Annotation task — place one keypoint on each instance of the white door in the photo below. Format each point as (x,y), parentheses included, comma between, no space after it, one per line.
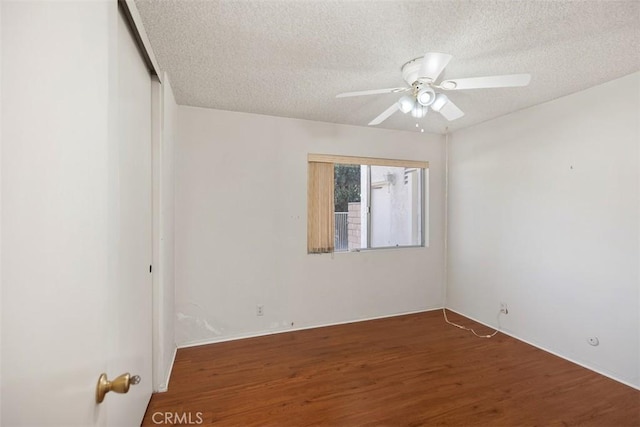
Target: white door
(75,215)
(131,285)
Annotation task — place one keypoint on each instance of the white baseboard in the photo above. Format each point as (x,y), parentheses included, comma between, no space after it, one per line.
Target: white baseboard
(165,385)
(265,333)
(541,347)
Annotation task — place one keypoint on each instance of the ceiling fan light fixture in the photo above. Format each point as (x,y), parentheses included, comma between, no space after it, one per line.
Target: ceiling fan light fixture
(439,102)
(406,103)
(426,96)
(418,111)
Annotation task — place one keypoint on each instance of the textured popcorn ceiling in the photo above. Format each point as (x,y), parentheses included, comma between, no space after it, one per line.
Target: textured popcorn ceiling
(290,58)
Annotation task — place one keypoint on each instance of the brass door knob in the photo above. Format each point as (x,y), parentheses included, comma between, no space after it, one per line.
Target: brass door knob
(119,385)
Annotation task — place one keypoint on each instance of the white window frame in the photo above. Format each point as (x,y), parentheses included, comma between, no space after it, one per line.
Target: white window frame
(423,182)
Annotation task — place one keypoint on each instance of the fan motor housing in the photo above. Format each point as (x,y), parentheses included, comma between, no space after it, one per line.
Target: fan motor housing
(410,72)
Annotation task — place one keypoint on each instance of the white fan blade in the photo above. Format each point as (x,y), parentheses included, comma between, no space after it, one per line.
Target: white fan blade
(373,92)
(432,65)
(385,114)
(509,80)
(450,111)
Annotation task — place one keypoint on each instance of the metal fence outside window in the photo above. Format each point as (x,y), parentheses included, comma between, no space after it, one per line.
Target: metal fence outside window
(341,240)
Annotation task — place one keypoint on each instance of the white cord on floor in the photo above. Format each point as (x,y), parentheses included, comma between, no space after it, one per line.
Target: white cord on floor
(446,319)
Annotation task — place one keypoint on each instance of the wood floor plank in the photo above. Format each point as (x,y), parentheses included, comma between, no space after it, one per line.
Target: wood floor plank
(408,370)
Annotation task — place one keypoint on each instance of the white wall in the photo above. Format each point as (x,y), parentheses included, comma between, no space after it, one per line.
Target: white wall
(164,346)
(241,197)
(544,215)
(0,203)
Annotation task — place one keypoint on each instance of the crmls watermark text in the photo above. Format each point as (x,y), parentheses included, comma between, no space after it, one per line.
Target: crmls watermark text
(179,418)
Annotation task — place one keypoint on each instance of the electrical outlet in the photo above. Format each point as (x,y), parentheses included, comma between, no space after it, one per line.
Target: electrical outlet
(503,308)
(260,310)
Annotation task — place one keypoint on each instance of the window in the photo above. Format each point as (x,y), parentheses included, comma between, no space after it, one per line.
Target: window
(364,203)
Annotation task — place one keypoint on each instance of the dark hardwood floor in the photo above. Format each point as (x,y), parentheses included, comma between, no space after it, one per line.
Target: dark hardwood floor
(409,370)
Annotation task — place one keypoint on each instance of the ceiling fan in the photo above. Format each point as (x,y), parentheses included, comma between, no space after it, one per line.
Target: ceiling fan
(421,75)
